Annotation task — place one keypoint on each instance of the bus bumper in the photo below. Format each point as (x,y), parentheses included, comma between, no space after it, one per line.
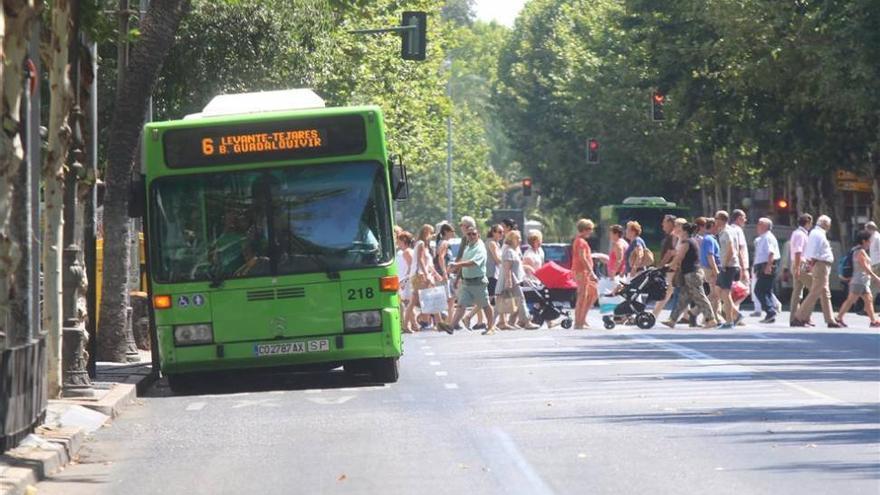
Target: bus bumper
(241,355)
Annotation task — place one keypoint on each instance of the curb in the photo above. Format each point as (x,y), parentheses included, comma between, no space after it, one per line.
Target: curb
(53,445)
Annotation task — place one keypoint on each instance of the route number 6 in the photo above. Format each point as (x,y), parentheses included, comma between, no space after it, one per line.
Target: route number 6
(207,146)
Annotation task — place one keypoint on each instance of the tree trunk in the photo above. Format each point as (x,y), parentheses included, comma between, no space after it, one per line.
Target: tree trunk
(60,103)
(157,35)
(876,187)
(15,31)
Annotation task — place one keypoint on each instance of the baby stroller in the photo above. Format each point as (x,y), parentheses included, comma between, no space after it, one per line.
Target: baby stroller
(540,298)
(650,285)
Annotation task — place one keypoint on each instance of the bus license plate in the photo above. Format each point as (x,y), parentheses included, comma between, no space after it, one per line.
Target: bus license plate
(280,348)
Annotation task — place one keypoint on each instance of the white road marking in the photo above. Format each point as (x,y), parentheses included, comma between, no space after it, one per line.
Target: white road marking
(426,347)
(195,406)
(259,402)
(429,354)
(450,386)
(441,373)
(706,359)
(434,363)
(313,391)
(537,486)
(327,401)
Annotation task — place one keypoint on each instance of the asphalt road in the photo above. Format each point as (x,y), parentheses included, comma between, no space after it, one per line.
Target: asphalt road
(758,410)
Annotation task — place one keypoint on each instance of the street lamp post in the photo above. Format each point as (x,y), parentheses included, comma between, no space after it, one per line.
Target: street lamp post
(449,145)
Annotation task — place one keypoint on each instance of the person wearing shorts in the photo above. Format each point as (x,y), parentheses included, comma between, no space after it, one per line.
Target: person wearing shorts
(730,266)
(860,283)
(474,287)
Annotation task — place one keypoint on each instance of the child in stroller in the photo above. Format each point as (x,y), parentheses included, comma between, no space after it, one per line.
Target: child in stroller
(650,285)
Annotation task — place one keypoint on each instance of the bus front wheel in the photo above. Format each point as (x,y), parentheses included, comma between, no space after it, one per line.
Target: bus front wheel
(386,370)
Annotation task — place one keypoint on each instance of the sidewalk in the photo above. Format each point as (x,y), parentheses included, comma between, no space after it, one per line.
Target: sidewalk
(68,421)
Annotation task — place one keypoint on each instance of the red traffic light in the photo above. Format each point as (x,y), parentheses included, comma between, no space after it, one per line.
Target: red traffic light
(527,183)
(659,98)
(594,145)
(781,204)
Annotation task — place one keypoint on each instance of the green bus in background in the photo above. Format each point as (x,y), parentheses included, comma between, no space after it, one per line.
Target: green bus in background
(269,237)
(648,211)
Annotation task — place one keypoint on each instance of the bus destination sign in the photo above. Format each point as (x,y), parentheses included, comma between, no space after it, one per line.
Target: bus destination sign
(264,141)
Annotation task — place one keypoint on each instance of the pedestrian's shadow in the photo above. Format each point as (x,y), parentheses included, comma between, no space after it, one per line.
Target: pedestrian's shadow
(244,381)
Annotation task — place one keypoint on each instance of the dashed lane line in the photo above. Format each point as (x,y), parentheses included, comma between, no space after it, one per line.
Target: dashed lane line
(441,373)
(450,386)
(195,406)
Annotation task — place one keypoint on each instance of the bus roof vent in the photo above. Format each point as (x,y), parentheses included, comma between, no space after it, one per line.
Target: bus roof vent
(648,200)
(263,101)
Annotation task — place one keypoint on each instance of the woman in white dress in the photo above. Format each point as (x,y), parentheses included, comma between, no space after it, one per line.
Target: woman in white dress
(404,259)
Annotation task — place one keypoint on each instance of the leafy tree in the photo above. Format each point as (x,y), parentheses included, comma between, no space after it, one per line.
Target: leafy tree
(156,37)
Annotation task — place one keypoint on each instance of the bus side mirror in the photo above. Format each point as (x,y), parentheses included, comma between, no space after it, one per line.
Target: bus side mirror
(137,197)
(399,179)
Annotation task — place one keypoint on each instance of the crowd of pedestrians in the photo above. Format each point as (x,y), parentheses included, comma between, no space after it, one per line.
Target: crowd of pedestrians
(710,272)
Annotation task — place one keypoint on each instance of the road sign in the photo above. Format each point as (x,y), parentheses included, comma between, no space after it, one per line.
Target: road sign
(849,181)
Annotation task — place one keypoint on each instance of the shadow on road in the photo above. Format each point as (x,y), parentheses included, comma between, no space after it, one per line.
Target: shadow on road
(795,356)
(219,383)
(807,426)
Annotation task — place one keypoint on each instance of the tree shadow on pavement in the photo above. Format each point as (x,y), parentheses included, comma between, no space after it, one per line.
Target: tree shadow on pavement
(796,356)
(809,425)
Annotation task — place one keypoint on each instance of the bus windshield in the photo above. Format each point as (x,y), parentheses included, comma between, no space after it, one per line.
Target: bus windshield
(254,223)
(651,220)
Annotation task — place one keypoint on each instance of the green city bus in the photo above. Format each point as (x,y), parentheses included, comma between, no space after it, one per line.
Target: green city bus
(648,211)
(268,222)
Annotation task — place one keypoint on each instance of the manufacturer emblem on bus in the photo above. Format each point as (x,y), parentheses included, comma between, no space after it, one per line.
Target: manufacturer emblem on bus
(278,325)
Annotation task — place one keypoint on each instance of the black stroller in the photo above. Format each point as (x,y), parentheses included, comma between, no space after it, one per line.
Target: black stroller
(542,306)
(650,285)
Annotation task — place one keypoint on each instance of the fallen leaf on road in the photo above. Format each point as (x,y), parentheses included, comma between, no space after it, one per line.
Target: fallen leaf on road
(342,477)
(549,404)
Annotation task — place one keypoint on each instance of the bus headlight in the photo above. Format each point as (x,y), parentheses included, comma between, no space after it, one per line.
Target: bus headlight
(362,321)
(200,333)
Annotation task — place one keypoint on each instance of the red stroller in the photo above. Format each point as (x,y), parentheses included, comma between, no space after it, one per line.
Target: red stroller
(545,302)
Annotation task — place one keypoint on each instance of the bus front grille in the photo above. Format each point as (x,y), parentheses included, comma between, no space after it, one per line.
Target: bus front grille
(260,295)
(291,292)
(271,294)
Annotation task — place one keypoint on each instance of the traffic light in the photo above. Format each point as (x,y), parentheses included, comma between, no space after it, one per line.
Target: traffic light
(658,100)
(415,37)
(782,205)
(527,187)
(593,151)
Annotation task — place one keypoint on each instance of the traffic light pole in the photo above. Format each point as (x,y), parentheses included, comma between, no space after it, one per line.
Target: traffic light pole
(413,28)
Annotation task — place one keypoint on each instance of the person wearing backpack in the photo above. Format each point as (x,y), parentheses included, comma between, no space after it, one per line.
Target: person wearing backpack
(860,275)
(820,259)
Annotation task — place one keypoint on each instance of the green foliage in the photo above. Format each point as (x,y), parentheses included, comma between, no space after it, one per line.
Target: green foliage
(757,89)
(238,46)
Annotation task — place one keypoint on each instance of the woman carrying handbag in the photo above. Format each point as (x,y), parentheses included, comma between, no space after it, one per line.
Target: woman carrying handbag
(509,297)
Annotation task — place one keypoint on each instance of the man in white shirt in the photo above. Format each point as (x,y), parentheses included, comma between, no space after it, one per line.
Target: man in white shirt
(800,278)
(820,259)
(766,258)
(737,221)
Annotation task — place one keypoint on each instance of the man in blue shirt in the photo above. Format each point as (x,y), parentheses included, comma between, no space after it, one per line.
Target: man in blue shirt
(710,261)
